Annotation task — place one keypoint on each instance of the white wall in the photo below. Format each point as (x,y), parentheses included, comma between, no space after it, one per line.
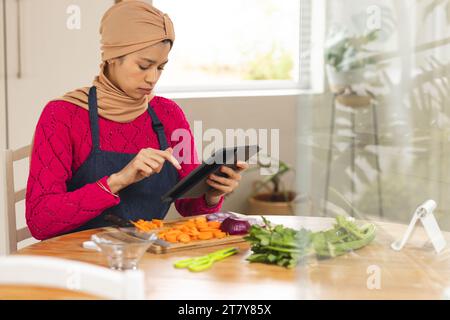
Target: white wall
(2,138)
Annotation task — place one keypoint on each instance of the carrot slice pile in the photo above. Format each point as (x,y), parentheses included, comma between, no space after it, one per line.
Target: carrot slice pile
(193,229)
(146,226)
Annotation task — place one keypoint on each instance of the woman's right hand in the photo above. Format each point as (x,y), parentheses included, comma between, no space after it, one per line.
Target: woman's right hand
(147,162)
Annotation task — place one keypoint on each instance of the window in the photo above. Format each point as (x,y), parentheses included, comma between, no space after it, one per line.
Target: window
(235,44)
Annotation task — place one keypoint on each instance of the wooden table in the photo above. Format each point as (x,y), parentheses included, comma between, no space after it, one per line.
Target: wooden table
(416,272)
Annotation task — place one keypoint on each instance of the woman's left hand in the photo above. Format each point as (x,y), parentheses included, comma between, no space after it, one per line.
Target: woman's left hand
(224,185)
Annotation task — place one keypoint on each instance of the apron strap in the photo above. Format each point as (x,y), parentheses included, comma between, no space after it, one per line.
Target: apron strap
(93,117)
(158,128)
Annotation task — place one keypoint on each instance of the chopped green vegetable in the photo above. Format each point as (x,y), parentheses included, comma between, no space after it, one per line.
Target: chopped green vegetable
(287,247)
(345,236)
(279,245)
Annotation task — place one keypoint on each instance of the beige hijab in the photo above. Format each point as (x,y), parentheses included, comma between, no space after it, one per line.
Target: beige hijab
(126,27)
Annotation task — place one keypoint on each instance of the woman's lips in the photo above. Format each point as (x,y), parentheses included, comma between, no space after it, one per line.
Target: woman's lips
(145,91)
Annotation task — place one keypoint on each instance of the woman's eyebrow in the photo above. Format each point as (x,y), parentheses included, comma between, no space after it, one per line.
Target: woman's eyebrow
(152,61)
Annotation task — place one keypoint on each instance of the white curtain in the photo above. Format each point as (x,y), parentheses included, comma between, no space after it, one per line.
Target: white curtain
(388,61)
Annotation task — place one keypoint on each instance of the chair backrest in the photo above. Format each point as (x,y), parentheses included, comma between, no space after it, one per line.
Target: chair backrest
(71,275)
(13,196)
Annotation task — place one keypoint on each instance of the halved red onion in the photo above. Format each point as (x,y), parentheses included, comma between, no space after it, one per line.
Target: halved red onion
(235,226)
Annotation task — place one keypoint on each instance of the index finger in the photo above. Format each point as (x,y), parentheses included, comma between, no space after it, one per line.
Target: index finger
(241,166)
(169,157)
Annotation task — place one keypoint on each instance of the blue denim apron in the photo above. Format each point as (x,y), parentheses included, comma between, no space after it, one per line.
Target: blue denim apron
(141,200)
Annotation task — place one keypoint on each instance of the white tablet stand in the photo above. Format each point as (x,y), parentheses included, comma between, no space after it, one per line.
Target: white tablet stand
(425,213)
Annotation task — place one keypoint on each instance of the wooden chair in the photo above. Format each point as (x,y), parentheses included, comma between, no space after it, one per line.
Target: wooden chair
(82,277)
(12,197)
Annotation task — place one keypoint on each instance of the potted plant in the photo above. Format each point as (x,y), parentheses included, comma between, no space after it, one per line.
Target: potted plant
(346,64)
(269,195)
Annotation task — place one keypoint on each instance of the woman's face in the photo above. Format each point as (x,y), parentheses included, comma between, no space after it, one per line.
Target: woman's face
(137,73)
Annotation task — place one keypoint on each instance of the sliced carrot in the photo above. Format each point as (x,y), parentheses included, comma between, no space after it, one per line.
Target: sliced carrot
(190,224)
(171,237)
(185,238)
(146,226)
(159,223)
(193,232)
(207,229)
(197,228)
(200,220)
(219,234)
(140,226)
(205,235)
(175,232)
(184,229)
(214,224)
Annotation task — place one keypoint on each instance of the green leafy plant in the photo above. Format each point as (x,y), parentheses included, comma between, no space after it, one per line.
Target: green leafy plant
(287,247)
(274,181)
(278,245)
(344,52)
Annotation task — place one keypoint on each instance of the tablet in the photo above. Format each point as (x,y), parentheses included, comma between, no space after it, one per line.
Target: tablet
(194,184)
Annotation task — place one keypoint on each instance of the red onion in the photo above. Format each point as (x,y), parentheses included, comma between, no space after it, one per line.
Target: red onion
(234,226)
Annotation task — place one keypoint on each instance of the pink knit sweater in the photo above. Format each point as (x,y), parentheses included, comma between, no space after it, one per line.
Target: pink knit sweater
(63,142)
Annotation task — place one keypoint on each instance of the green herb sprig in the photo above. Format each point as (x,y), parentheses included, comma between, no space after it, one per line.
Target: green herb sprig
(287,247)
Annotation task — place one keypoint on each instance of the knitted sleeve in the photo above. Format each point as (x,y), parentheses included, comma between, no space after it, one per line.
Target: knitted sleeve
(50,209)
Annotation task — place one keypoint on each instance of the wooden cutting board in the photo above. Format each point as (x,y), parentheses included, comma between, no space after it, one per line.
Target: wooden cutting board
(157,249)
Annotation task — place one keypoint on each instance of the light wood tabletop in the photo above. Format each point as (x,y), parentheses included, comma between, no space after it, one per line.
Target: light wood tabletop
(22,292)
(416,272)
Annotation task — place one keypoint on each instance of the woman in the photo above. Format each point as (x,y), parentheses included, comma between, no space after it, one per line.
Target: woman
(106,149)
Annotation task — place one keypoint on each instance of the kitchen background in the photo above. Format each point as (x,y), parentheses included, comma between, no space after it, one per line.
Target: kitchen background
(265,64)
